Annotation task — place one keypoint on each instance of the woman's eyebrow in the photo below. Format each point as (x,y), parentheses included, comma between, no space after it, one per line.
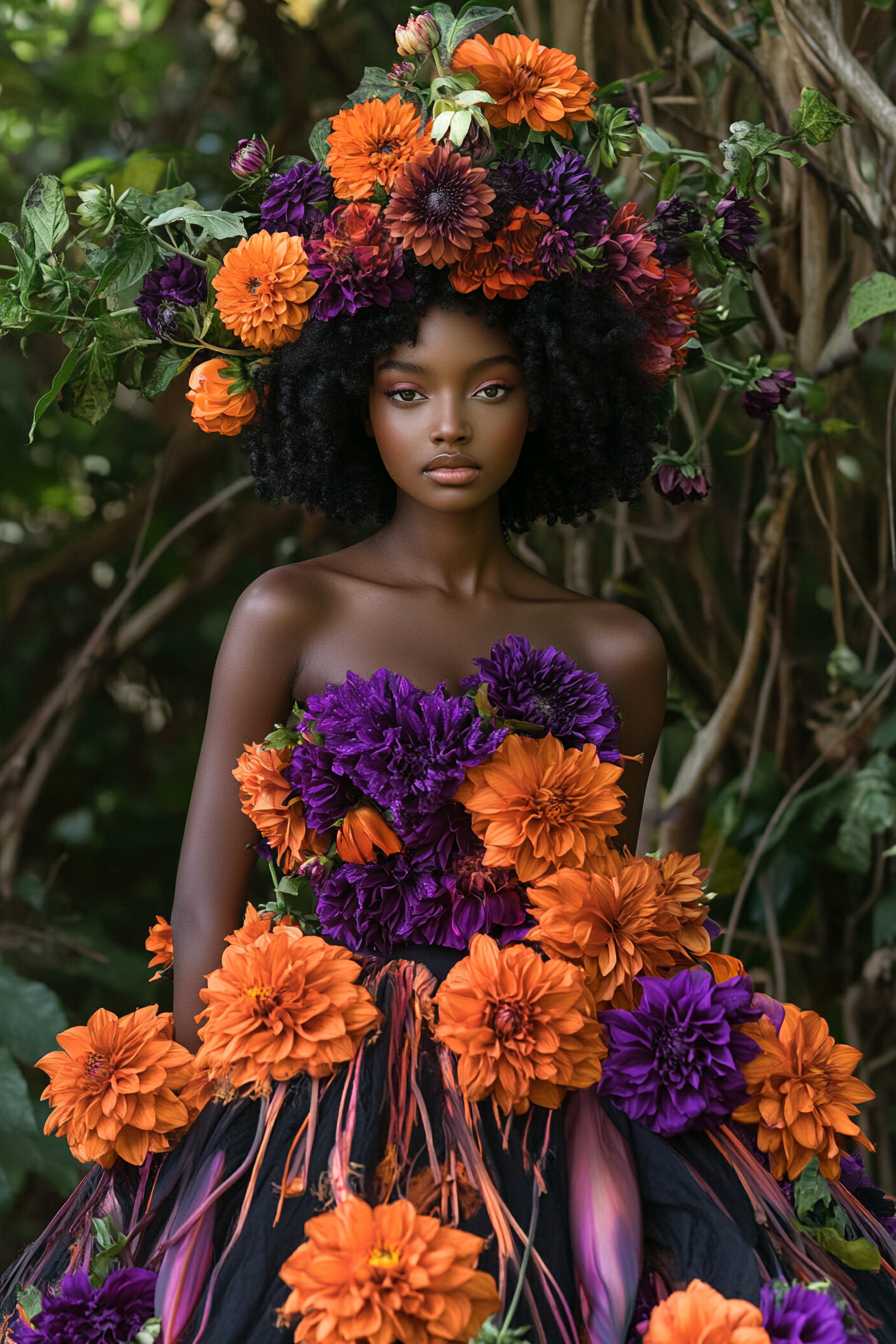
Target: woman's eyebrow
(401,366)
(493,359)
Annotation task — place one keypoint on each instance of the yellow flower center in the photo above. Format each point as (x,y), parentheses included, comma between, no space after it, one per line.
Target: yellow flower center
(264,994)
(383,1257)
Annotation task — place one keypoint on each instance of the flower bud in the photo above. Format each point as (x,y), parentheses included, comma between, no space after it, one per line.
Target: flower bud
(249,157)
(418,36)
(363,829)
(677,486)
(97,208)
(401,72)
(477,144)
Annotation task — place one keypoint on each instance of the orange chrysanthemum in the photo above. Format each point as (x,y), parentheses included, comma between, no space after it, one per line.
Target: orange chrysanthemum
(700,1315)
(160,942)
(263,794)
(802,1093)
(255,924)
(521,1026)
(282,1005)
(683,905)
(362,833)
(507,265)
(528,82)
(379,1275)
(263,290)
(370,142)
(217,409)
(611,924)
(540,806)
(113,1083)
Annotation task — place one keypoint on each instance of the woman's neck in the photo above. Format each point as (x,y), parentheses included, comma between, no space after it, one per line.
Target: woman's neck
(460,553)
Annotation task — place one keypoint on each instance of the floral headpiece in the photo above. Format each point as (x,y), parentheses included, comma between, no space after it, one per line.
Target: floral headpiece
(477,157)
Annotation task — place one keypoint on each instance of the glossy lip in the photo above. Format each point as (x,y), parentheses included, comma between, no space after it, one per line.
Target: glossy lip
(452,469)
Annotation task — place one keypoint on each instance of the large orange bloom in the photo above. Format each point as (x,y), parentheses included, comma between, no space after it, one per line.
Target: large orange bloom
(802,1093)
(529,82)
(282,1005)
(683,905)
(507,265)
(378,1275)
(520,1026)
(540,806)
(263,290)
(255,923)
(700,1315)
(160,942)
(363,831)
(112,1086)
(217,409)
(263,794)
(370,142)
(608,923)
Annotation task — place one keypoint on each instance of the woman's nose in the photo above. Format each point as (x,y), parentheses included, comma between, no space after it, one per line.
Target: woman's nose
(450,424)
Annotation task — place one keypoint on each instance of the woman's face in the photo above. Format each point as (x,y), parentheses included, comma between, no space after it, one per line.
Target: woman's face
(449,414)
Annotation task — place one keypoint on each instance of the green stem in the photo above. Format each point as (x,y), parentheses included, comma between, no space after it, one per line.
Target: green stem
(123,312)
(503,1337)
(218,349)
(275,877)
(169,247)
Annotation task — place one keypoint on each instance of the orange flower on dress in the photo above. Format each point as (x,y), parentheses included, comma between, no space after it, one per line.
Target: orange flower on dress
(160,943)
(700,1315)
(608,923)
(520,1026)
(217,409)
(683,904)
(256,923)
(370,142)
(263,794)
(362,829)
(263,290)
(113,1083)
(539,85)
(722,966)
(282,1005)
(540,806)
(388,1273)
(802,1093)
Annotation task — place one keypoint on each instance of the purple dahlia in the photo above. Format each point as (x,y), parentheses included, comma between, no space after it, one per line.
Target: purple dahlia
(78,1313)
(739,228)
(672,219)
(407,750)
(368,906)
(513,184)
(326,795)
(482,900)
(179,284)
(290,203)
(676,487)
(798,1315)
(438,838)
(356,263)
(769,393)
(544,687)
(856,1179)
(556,252)
(674,1062)
(572,196)
(249,157)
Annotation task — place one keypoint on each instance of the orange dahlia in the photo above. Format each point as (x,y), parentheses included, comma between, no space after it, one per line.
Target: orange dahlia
(506,266)
(370,142)
(263,794)
(112,1086)
(363,831)
(540,806)
(263,290)
(608,923)
(671,317)
(520,1026)
(683,905)
(379,1275)
(217,408)
(802,1093)
(528,82)
(722,966)
(255,923)
(282,1005)
(700,1315)
(160,942)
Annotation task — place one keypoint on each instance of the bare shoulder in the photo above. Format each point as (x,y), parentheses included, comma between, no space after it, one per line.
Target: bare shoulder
(620,642)
(286,597)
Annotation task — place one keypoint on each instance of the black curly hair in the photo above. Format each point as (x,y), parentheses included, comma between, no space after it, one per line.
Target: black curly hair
(593,406)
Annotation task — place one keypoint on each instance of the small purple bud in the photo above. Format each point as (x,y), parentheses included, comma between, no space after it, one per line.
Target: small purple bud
(769,393)
(677,488)
(249,157)
(634,114)
(418,37)
(401,72)
(739,230)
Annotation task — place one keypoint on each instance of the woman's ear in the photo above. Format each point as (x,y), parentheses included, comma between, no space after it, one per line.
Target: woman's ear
(365,418)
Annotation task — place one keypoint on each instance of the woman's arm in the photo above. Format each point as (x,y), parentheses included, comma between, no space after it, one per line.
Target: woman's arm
(252,689)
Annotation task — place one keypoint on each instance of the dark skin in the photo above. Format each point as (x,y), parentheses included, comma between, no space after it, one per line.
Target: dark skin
(436,587)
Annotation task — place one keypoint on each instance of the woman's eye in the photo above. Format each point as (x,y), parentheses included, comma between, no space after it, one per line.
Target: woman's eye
(405,394)
(494,391)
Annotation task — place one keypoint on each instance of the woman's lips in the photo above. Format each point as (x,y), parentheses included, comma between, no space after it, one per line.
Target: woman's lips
(452,469)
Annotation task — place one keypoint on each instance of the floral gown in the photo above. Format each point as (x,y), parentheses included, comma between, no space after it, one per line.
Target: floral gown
(473,1066)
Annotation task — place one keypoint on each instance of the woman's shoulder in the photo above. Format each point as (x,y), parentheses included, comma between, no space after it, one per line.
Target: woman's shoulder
(290,595)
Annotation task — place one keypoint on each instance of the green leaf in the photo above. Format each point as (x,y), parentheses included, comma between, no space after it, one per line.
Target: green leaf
(62,375)
(374,84)
(44,212)
(31,1016)
(871,297)
(29,1300)
(796,159)
(91,389)
(470,20)
(216,223)
(165,200)
(317,140)
(123,333)
(170,363)
(126,260)
(809,1190)
(654,141)
(16,1115)
(858,1254)
(837,426)
(790,445)
(880,4)
(669,181)
(85,168)
(754,136)
(817,120)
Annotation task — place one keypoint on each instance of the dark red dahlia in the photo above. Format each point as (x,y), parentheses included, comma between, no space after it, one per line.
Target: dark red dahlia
(439,206)
(739,229)
(768,394)
(677,487)
(356,263)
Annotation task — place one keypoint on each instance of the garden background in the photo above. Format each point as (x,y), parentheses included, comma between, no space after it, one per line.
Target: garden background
(123,545)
